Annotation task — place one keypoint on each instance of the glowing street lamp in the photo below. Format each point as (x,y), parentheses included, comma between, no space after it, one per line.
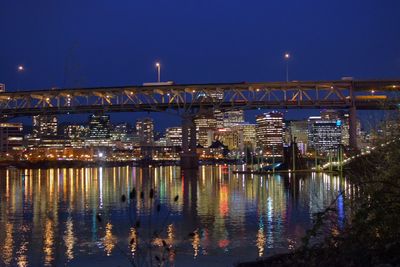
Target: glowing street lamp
(287,57)
(158,66)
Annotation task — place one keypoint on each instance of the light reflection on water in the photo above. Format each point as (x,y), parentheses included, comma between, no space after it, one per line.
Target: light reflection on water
(49,216)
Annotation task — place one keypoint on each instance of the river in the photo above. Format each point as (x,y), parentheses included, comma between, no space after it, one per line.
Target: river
(79,217)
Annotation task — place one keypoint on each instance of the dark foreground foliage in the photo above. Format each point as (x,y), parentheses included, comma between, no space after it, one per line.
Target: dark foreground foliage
(370,236)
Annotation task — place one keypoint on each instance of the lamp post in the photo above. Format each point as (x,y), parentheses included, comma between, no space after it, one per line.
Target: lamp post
(158,66)
(20,70)
(287,57)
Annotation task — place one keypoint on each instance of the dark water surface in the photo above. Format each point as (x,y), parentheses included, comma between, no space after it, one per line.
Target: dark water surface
(49,217)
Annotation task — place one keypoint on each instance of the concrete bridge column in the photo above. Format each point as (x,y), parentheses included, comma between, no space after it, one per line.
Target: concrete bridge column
(353,128)
(189,159)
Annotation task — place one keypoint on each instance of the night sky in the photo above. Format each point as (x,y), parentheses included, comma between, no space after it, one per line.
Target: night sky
(82,43)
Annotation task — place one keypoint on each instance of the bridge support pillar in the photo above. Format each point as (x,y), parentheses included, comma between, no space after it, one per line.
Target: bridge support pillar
(189,158)
(353,128)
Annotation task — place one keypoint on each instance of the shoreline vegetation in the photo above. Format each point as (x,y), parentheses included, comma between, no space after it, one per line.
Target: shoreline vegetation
(369,234)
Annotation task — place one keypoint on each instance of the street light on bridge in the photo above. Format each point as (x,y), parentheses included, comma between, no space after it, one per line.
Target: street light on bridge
(20,69)
(287,57)
(158,66)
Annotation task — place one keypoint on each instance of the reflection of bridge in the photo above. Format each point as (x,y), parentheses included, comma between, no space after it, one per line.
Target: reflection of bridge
(194,97)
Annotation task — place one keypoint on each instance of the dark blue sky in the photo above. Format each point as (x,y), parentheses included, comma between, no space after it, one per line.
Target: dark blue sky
(102,42)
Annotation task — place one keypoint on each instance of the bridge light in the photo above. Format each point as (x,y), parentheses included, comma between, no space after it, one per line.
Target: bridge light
(47,99)
(372,92)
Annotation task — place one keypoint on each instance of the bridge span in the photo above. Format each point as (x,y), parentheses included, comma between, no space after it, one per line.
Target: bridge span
(190,99)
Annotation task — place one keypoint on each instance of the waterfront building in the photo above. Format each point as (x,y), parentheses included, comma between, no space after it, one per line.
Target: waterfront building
(174,136)
(324,134)
(44,126)
(269,132)
(145,131)
(11,137)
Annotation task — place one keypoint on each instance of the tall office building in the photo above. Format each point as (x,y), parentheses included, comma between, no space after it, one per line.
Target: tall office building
(342,118)
(45,126)
(205,127)
(11,137)
(99,132)
(269,132)
(174,136)
(324,133)
(145,131)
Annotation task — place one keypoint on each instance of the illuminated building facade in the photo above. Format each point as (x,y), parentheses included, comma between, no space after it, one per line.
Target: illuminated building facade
(120,132)
(249,135)
(174,136)
(145,131)
(298,130)
(45,126)
(99,133)
(269,132)
(231,138)
(11,137)
(205,127)
(324,134)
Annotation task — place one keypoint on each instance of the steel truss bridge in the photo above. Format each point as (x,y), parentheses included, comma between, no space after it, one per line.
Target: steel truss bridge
(224,96)
(192,99)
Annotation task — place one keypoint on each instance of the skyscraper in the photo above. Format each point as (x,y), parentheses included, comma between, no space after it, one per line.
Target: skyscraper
(145,131)
(324,134)
(99,130)
(269,132)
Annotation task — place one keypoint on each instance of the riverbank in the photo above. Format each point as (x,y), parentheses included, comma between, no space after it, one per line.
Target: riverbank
(369,234)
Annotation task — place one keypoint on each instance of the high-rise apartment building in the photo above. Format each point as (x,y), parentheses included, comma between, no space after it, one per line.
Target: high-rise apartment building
(11,137)
(145,131)
(269,132)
